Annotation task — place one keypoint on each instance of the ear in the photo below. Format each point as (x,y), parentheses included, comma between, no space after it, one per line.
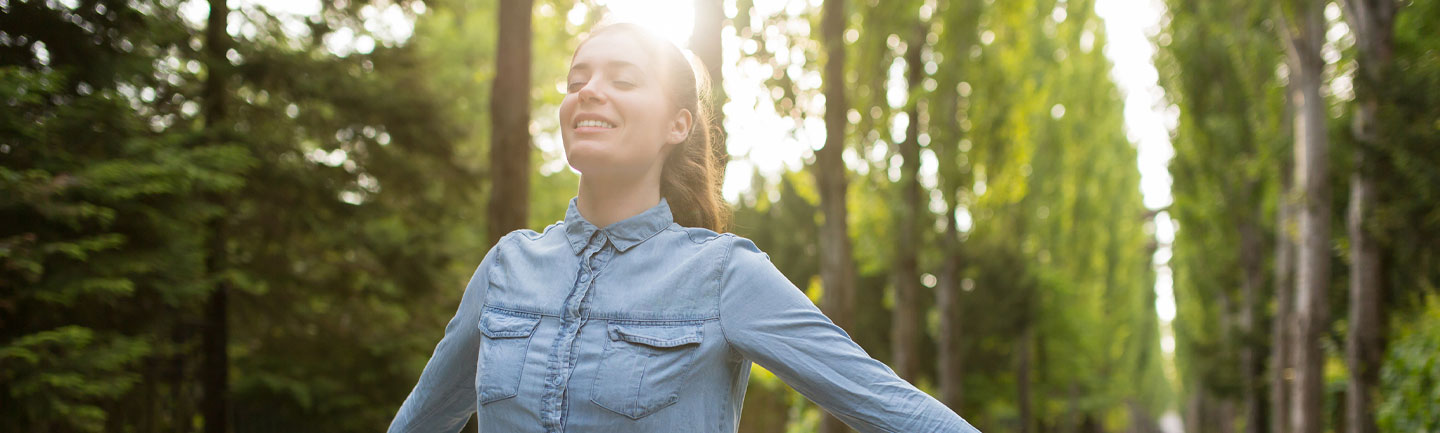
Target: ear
(680,127)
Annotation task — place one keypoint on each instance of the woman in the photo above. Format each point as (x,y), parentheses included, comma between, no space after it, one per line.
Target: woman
(633,314)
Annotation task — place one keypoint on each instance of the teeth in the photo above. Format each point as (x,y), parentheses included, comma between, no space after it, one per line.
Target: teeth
(595,123)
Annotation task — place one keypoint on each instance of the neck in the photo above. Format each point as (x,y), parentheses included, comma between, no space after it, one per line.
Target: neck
(605,201)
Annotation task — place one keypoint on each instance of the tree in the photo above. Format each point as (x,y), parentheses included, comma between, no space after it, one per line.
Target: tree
(216,367)
(906,331)
(1220,57)
(959,21)
(1373,23)
(1303,33)
(510,121)
(837,272)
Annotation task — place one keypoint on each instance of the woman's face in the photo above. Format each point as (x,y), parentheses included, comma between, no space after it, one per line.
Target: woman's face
(616,118)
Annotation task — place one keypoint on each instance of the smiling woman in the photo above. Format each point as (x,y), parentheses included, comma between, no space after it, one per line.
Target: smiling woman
(638,312)
(618,77)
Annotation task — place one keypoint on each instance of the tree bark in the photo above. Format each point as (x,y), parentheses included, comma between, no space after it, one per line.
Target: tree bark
(1373,24)
(510,121)
(1305,34)
(1250,367)
(705,43)
(1022,378)
(215,371)
(836,268)
(951,369)
(906,330)
(765,410)
(1283,330)
(960,30)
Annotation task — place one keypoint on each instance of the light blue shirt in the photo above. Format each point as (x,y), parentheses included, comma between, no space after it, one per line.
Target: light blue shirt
(644,326)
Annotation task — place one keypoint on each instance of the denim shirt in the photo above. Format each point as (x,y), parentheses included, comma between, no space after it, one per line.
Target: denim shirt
(644,326)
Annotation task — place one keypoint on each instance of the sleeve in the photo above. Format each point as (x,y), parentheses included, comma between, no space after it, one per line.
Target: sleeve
(444,398)
(771,322)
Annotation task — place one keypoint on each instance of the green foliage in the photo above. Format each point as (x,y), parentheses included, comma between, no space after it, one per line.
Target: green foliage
(1217,65)
(1057,242)
(1222,65)
(336,193)
(60,374)
(103,217)
(1410,376)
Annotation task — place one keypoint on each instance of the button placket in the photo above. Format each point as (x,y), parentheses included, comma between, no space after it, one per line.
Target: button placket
(563,352)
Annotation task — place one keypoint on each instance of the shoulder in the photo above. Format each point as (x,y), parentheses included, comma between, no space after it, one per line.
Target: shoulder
(526,242)
(730,243)
(555,229)
(741,254)
(745,249)
(552,235)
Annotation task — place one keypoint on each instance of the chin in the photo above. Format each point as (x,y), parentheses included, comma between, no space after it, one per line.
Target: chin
(589,158)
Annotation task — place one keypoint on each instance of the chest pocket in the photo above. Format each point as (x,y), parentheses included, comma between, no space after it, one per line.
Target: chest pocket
(643,366)
(502,352)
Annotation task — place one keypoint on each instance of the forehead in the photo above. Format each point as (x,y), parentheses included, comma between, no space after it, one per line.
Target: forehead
(612,50)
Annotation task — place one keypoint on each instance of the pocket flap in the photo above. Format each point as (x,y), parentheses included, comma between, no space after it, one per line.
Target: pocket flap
(505,324)
(656,335)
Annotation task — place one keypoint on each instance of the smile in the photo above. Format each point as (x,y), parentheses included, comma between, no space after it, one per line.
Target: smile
(594,124)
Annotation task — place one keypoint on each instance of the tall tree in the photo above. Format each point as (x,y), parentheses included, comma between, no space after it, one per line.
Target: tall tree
(906,332)
(959,21)
(1226,142)
(510,121)
(216,367)
(1282,324)
(837,270)
(1304,31)
(1372,22)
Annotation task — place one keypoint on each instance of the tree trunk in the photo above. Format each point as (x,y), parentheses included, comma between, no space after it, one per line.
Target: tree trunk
(705,42)
(1022,379)
(1363,344)
(1250,367)
(215,375)
(1306,32)
(1140,419)
(1226,415)
(836,268)
(1194,408)
(951,369)
(1283,330)
(960,31)
(766,410)
(1373,24)
(905,329)
(510,121)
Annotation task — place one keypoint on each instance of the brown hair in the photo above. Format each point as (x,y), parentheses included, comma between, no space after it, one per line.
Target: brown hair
(691,177)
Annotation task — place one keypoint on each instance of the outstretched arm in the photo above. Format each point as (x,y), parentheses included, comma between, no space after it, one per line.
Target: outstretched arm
(444,397)
(771,322)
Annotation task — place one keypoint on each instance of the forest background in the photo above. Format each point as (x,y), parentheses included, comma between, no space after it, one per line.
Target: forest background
(1053,215)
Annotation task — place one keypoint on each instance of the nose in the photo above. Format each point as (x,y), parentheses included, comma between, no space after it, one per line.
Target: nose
(590,92)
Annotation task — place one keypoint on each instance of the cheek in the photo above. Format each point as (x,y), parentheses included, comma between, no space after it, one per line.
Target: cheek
(649,124)
(567,108)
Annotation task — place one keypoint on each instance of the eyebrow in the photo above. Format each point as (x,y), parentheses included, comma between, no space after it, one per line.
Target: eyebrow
(613,64)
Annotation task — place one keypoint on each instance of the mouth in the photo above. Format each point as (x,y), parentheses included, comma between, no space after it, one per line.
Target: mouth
(594,124)
(591,123)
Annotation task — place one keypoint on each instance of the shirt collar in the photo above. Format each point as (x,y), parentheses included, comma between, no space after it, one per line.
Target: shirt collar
(625,233)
